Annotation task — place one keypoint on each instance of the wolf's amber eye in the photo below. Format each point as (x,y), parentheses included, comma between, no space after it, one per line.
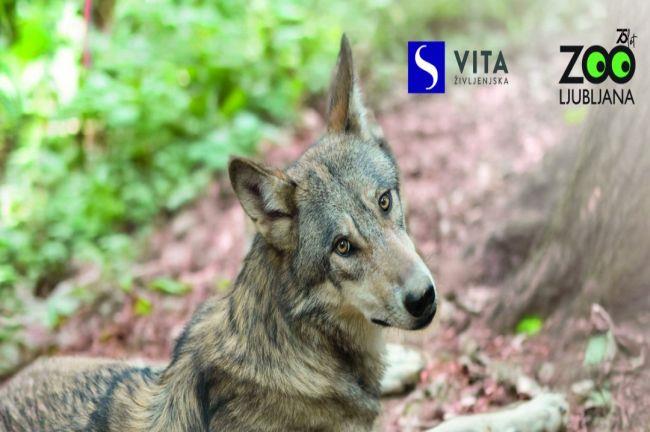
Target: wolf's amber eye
(343,247)
(385,201)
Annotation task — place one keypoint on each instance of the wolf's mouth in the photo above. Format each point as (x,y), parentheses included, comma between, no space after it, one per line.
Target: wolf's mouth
(380,322)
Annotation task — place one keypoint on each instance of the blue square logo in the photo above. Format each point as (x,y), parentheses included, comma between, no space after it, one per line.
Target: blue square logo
(426,67)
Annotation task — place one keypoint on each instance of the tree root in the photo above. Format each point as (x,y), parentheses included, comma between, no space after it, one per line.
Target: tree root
(545,413)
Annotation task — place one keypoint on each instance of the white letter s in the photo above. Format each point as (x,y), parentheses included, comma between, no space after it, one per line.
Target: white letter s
(426,66)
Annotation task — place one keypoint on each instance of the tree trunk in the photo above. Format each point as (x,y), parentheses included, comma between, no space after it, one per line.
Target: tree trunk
(594,246)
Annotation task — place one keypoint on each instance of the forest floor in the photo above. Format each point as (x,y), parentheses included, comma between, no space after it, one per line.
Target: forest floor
(462,157)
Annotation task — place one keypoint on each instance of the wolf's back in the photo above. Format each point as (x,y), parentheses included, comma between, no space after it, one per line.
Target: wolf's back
(66,394)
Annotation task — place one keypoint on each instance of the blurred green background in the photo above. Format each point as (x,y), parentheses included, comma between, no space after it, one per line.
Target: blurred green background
(91,153)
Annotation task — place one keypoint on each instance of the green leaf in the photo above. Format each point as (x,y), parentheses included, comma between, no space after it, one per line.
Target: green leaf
(235,101)
(125,282)
(8,274)
(169,286)
(599,347)
(58,307)
(9,357)
(143,307)
(599,399)
(529,325)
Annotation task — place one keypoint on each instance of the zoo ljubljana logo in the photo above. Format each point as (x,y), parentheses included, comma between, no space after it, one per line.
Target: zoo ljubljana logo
(426,67)
(600,66)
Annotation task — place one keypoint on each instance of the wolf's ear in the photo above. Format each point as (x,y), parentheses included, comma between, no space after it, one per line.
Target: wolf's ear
(267,197)
(345,112)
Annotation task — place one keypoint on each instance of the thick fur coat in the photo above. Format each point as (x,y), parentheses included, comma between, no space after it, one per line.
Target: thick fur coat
(296,345)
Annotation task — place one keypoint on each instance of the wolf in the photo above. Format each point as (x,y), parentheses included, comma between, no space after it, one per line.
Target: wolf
(296,345)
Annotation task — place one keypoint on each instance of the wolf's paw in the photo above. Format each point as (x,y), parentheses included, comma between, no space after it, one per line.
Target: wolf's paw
(403,366)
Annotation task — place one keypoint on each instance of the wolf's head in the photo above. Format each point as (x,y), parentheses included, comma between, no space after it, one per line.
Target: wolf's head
(336,215)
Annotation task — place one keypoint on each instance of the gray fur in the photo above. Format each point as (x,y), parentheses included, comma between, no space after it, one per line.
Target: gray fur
(296,345)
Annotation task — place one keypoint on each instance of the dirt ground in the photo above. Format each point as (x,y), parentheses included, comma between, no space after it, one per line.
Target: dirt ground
(462,156)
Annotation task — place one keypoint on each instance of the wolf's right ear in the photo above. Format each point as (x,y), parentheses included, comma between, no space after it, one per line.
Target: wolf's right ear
(346,111)
(267,197)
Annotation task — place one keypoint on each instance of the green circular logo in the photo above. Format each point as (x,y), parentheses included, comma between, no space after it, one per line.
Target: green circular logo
(596,64)
(621,64)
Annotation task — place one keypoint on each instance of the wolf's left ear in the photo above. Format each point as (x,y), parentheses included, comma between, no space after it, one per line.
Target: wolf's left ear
(267,197)
(345,112)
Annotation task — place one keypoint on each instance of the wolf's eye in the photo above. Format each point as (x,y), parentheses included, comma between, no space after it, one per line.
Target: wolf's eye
(343,247)
(385,201)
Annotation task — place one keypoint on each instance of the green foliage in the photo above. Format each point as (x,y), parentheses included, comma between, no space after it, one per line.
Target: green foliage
(91,155)
(169,286)
(600,398)
(529,325)
(600,347)
(142,307)
(596,348)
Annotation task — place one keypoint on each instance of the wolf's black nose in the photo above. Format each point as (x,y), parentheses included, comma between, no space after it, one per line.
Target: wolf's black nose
(417,305)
